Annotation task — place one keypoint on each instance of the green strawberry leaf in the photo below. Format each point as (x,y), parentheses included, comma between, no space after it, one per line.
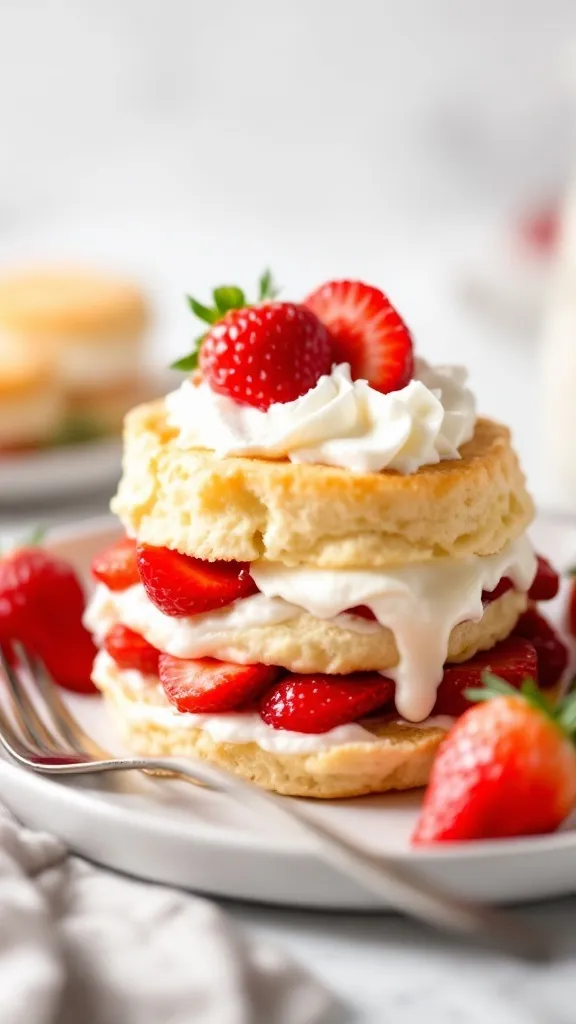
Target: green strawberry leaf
(228,296)
(210,316)
(186,364)
(267,287)
(190,362)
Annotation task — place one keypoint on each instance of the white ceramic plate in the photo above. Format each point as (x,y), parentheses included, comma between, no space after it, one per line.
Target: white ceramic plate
(60,472)
(178,834)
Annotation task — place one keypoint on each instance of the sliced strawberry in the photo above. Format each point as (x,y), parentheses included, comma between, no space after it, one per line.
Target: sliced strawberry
(546,582)
(68,655)
(572,609)
(130,650)
(514,660)
(116,565)
(366,332)
(363,611)
(551,651)
(318,703)
(500,589)
(180,585)
(204,685)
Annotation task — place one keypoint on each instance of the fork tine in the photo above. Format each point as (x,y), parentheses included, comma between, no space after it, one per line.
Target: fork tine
(9,740)
(56,710)
(26,717)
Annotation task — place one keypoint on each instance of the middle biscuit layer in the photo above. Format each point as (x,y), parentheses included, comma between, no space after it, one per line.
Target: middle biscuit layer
(301,643)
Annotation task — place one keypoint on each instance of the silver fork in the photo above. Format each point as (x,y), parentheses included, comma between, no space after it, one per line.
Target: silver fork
(40,733)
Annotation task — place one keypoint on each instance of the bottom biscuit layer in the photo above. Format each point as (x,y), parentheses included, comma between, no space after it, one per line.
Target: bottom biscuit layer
(396,757)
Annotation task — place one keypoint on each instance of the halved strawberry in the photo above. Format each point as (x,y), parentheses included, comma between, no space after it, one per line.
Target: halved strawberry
(318,703)
(116,566)
(513,660)
(204,685)
(180,585)
(366,332)
(546,582)
(551,651)
(130,650)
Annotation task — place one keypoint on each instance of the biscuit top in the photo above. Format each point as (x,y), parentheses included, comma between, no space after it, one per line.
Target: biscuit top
(65,304)
(249,508)
(311,435)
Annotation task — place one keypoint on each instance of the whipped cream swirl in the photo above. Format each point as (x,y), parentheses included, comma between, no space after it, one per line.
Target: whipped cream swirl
(339,422)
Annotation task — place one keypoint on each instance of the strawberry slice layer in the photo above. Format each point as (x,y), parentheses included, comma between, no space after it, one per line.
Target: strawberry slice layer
(180,585)
(116,566)
(551,651)
(130,650)
(318,703)
(366,332)
(514,660)
(205,686)
(546,582)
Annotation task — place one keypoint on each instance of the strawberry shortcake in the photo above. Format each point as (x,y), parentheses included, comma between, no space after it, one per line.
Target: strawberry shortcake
(324,548)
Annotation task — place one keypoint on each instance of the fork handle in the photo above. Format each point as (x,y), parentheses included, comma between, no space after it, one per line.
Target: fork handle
(389,879)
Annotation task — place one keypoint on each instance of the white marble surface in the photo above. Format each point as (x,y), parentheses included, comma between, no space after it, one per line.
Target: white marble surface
(388,970)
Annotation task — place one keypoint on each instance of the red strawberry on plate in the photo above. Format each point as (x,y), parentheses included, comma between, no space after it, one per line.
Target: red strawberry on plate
(506,768)
(41,606)
(130,650)
(318,703)
(514,660)
(551,651)
(180,585)
(366,332)
(205,686)
(546,582)
(116,566)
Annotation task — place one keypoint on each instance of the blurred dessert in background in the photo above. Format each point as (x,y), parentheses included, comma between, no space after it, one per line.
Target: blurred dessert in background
(32,404)
(87,330)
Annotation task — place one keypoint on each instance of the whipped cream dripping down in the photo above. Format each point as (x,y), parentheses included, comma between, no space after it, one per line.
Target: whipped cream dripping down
(420,603)
(339,422)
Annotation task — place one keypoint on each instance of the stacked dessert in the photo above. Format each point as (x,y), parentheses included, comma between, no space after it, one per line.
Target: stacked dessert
(325,547)
(80,337)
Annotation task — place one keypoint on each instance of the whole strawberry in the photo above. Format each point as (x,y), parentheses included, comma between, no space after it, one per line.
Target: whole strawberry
(41,606)
(261,354)
(506,768)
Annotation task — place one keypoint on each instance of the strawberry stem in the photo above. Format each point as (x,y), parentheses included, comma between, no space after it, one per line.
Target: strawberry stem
(225,298)
(563,714)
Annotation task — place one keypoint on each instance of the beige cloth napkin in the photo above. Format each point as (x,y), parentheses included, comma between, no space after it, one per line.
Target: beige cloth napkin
(80,945)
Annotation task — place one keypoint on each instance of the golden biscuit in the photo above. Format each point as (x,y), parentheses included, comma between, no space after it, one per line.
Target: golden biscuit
(66,303)
(400,759)
(31,401)
(249,508)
